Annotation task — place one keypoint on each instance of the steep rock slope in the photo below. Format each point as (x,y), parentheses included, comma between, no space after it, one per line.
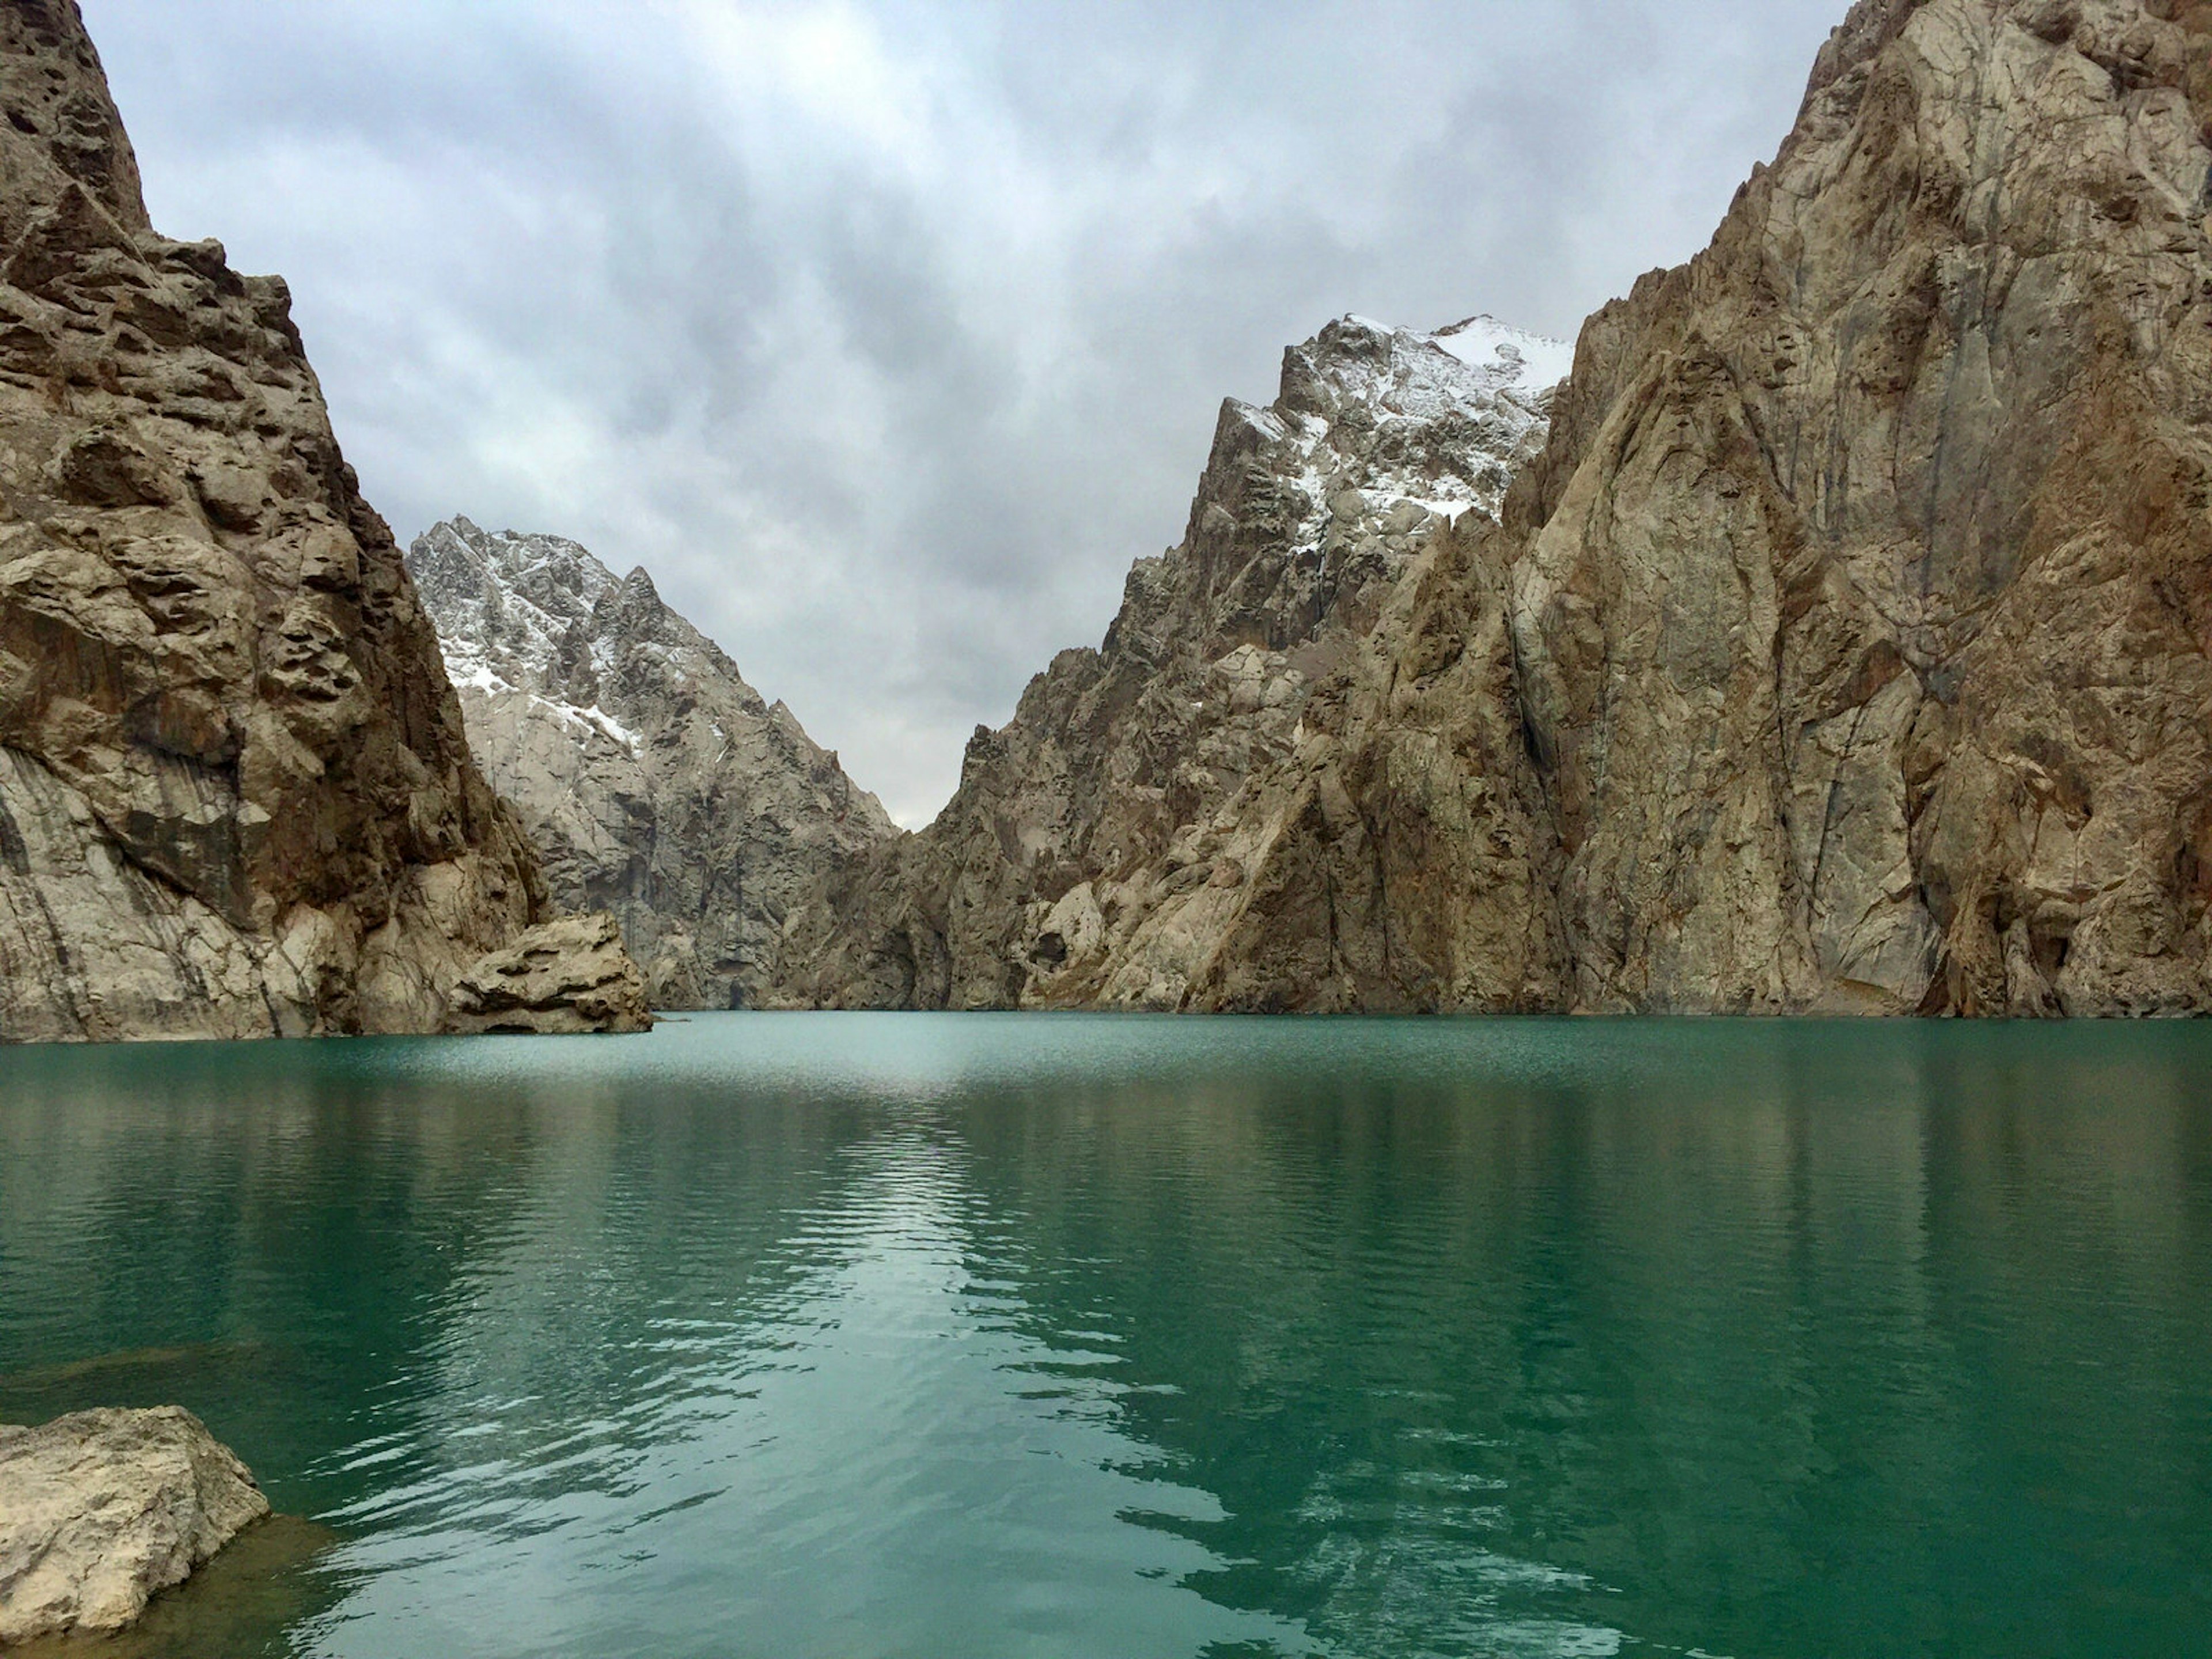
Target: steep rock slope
(1844,647)
(1864,591)
(1121,840)
(235,797)
(657,783)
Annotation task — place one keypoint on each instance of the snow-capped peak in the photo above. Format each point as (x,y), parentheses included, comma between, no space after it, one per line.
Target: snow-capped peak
(1533,362)
(1439,419)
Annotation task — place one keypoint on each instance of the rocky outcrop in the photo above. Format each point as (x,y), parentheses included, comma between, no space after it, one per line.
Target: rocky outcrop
(101,1511)
(1843,648)
(235,795)
(563,979)
(657,783)
(1138,836)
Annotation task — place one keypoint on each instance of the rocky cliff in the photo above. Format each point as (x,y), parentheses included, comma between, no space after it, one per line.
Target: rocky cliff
(235,796)
(1126,839)
(1843,647)
(1862,594)
(657,783)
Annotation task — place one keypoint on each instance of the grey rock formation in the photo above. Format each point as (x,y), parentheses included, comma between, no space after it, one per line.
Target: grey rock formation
(1843,646)
(563,979)
(100,1510)
(657,783)
(1115,843)
(235,795)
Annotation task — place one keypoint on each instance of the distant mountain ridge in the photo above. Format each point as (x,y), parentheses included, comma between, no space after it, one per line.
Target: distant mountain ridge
(656,782)
(1117,843)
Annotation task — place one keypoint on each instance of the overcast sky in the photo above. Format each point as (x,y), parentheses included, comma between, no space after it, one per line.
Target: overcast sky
(886,334)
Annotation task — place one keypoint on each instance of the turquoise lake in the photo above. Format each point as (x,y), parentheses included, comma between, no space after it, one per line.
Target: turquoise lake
(943,1337)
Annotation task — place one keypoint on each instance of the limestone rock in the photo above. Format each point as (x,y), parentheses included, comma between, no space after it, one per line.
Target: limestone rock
(1863,593)
(561,979)
(658,784)
(235,795)
(100,1510)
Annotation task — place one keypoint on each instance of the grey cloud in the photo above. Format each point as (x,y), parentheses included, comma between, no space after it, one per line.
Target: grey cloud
(887,333)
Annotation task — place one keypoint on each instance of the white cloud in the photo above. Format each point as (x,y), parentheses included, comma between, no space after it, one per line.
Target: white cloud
(886,332)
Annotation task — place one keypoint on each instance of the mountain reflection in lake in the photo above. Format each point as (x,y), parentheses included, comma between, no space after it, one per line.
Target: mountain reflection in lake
(820,1337)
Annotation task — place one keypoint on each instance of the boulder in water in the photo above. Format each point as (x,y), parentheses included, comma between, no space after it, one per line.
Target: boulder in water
(102,1510)
(563,978)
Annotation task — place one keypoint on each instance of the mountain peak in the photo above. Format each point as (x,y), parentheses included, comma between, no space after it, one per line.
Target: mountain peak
(658,782)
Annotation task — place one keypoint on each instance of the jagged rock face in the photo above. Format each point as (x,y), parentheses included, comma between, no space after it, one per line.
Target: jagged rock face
(1864,591)
(1844,648)
(235,796)
(657,783)
(1122,841)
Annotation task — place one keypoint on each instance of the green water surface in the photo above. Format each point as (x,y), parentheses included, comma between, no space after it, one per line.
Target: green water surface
(841,1337)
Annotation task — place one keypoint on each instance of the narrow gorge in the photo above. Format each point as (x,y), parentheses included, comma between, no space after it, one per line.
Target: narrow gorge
(1826,632)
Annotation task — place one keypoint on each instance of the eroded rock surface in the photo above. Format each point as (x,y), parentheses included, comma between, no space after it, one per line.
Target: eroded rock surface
(658,784)
(1843,646)
(561,979)
(100,1510)
(235,795)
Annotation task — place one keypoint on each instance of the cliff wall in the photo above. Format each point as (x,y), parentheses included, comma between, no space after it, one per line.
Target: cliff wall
(235,796)
(1840,645)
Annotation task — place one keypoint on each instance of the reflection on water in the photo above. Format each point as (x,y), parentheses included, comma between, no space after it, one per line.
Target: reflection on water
(839,1336)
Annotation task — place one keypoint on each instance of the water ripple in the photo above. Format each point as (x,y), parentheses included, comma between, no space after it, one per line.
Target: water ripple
(1131,1338)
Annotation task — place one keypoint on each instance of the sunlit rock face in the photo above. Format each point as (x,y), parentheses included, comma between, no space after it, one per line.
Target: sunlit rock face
(658,784)
(1843,648)
(101,1511)
(235,796)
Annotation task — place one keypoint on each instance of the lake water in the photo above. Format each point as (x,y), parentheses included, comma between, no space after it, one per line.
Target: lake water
(847,1336)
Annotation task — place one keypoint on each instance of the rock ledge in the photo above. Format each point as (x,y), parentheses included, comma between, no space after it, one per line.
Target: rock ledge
(567,978)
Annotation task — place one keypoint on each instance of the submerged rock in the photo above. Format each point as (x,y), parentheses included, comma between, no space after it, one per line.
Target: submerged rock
(100,1510)
(562,979)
